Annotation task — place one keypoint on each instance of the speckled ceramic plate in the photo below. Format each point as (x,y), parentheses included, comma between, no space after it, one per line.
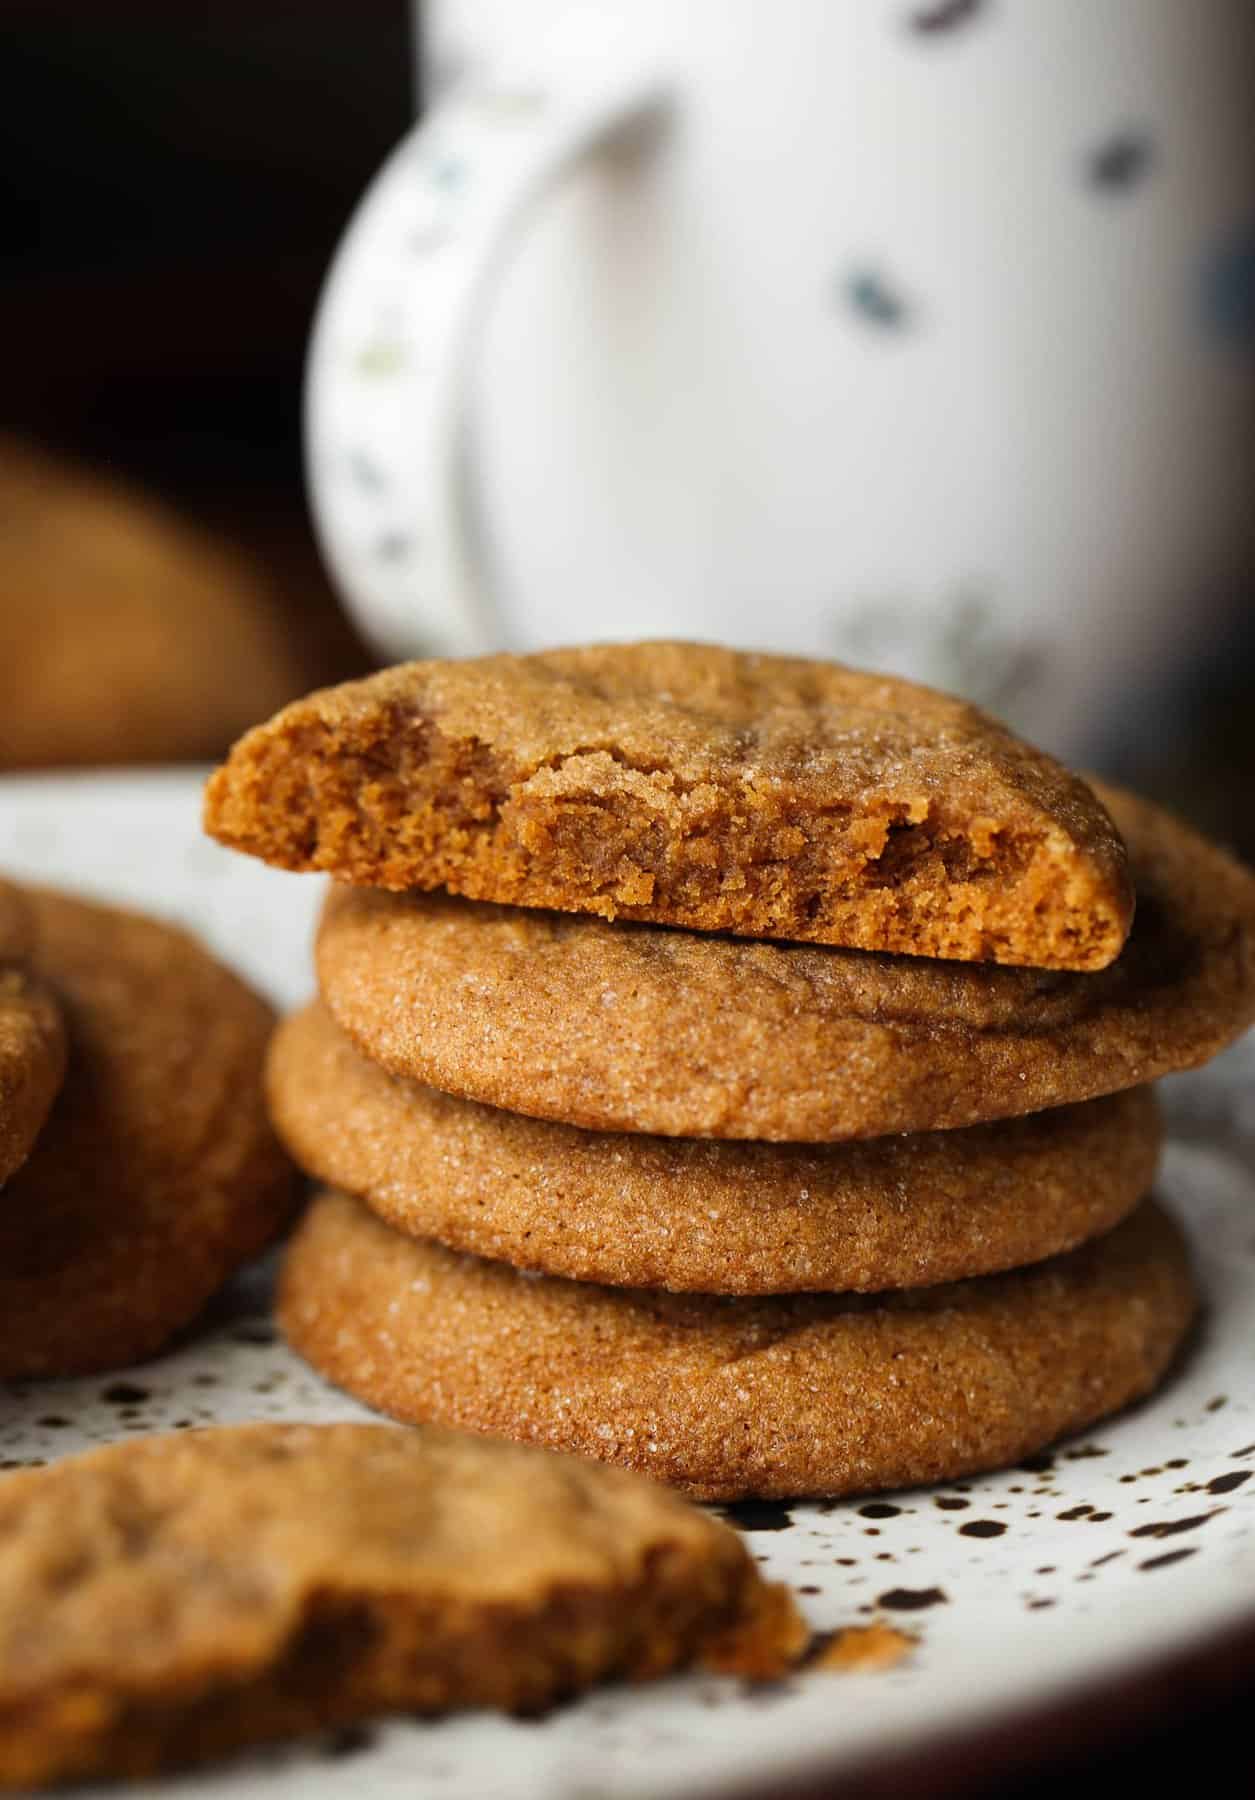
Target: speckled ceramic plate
(1119,1555)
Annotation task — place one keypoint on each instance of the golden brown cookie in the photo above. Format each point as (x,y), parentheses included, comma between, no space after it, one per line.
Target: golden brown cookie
(694,786)
(174,1598)
(32,1037)
(126,634)
(633,1028)
(157,1173)
(805,1394)
(693,1214)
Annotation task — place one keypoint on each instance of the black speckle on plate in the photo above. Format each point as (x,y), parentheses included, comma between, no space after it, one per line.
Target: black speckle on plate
(124,1393)
(1225,1484)
(1168,1557)
(912,1599)
(1162,1528)
(758,1515)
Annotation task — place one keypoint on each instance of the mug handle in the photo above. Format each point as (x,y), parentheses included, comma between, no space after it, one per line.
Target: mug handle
(397,328)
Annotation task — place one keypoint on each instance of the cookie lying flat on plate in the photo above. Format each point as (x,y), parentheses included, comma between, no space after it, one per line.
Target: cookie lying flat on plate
(693,786)
(806,1394)
(685,1213)
(633,1028)
(32,1037)
(157,1173)
(173,1598)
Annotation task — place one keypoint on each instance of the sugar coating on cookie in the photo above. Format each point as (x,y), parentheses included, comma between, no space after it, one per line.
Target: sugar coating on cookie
(695,786)
(169,1599)
(157,1173)
(693,1214)
(633,1028)
(32,1036)
(803,1394)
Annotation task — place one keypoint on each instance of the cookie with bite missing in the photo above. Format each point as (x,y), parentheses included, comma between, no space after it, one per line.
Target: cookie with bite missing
(170,1599)
(694,1214)
(690,785)
(726,1398)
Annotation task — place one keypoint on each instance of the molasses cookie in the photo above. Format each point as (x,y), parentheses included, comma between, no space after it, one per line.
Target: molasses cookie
(32,1037)
(126,634)
(693,1214)
(635,1028)
(690,785)
(170,1599)
(157,1173)
(803,1394)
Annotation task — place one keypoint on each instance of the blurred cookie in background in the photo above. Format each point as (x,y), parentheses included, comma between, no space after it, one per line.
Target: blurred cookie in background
(127,634)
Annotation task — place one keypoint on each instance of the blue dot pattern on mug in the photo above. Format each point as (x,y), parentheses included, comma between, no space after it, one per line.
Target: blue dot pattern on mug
(945,16)
(1228,288)
(876,299)
(1120,162)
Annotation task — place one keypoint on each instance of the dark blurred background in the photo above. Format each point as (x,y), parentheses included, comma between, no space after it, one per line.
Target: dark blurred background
(176,179)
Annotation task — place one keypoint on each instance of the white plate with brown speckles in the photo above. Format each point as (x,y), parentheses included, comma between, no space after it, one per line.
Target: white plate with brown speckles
(1121,1554)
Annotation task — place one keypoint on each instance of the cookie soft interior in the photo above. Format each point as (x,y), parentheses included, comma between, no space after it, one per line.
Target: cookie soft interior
(692,786)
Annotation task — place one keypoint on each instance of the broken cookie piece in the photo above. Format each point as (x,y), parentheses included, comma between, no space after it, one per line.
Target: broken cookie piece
(694,786)
(170,1599)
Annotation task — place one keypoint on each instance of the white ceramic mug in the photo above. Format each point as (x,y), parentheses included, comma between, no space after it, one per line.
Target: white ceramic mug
(911,332)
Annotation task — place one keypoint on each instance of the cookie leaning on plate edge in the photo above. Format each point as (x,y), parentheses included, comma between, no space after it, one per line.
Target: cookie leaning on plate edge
(626,1027)
(694,1214)
(694,786)
(789,1396)
(157,1173)
(32,1036)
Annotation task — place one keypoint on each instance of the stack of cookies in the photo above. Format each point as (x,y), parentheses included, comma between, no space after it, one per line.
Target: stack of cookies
(730,1066)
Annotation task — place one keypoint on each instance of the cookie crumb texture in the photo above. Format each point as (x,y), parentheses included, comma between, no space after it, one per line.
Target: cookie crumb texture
(172,1599)
(689,785)
(864,1648)
(797,1395)
(156,1174)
